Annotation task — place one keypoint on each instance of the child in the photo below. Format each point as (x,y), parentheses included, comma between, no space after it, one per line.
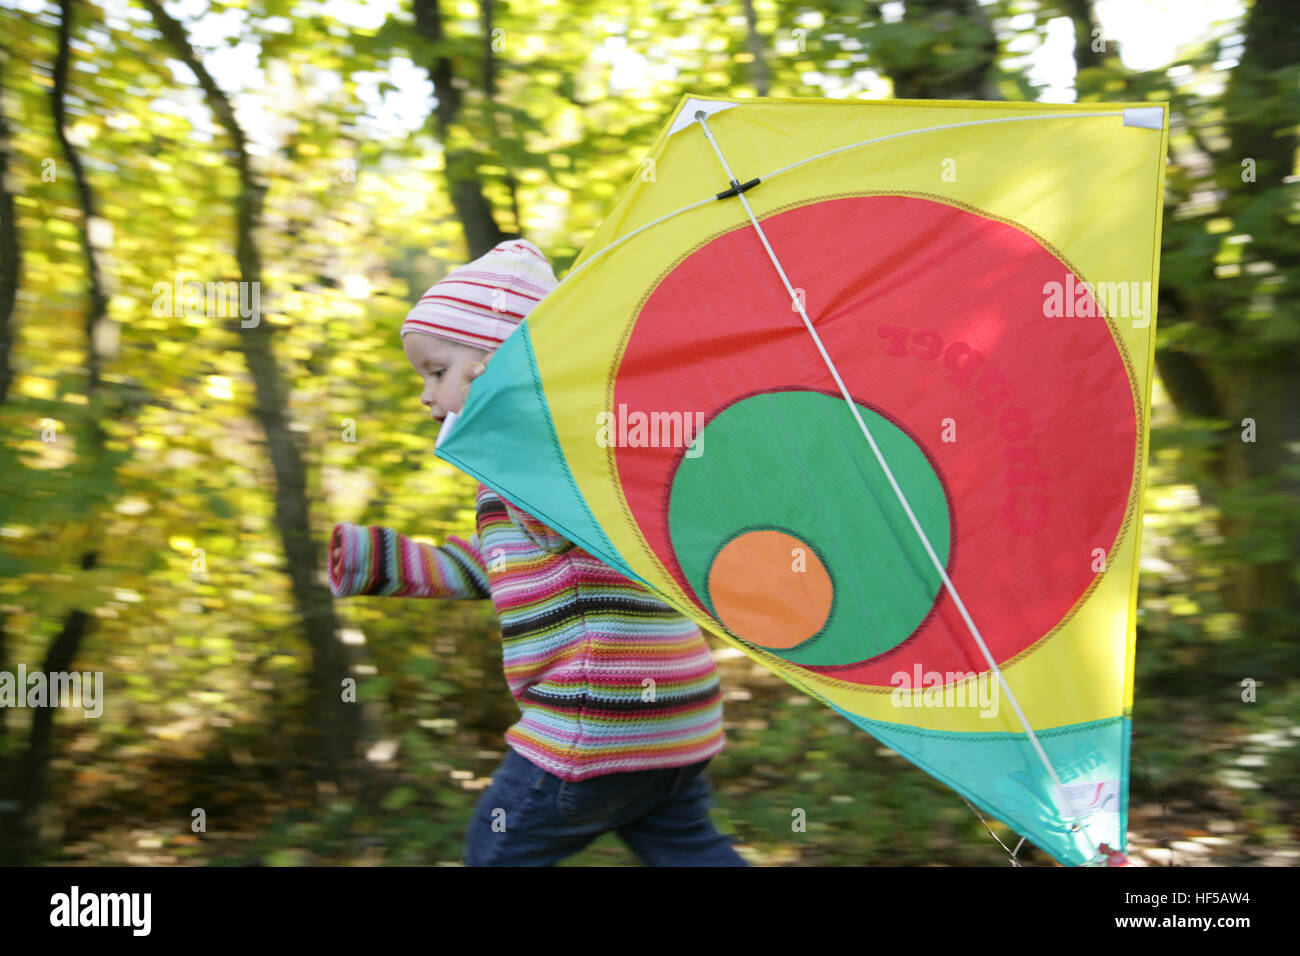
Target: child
(621,708)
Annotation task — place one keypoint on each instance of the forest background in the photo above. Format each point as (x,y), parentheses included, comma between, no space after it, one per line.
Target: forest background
(168,482)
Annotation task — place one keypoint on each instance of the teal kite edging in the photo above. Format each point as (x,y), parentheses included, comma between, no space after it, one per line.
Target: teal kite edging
(974,763)
(505,437)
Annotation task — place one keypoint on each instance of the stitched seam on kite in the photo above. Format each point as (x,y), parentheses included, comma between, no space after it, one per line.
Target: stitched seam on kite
(1088,726)
(685,591)
(555,443)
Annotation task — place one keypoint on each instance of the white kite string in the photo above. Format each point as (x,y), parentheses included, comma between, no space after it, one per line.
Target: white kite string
(1062,797)
(1015,861)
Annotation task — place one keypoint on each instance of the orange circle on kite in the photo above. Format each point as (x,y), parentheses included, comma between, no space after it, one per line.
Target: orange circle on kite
(770,588)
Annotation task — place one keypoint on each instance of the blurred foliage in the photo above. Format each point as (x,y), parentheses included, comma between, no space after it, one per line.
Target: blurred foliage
(192,620)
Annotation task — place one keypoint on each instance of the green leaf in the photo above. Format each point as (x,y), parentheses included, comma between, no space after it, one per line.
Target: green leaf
(220,507)
(376,688)
(398,798)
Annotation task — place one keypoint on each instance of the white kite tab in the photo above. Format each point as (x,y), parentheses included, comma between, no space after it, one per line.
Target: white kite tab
(445,430)
(686,116)
(1147,117)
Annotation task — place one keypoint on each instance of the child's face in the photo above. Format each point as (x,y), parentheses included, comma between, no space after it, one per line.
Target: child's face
(447,369)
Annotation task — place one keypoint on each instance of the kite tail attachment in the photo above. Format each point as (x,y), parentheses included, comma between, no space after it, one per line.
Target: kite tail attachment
(1108,857)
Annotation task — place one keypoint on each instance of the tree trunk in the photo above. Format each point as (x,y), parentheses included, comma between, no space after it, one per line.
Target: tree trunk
(929,75)
(10,260)
(1237,374)
(1084,19)
(336,723)
(10,252)
(758,51)
(463,183)
(476,218)
(1265,387)
(28,788)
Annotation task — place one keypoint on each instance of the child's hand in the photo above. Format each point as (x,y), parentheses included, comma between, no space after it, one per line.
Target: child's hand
(474,372)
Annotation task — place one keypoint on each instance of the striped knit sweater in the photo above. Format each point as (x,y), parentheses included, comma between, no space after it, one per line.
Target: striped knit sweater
(608,678)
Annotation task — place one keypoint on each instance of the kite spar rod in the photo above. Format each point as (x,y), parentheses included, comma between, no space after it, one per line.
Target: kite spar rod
(738,190)
(830,152)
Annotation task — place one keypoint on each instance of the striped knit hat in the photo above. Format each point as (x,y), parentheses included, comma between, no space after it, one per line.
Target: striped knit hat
(481,303)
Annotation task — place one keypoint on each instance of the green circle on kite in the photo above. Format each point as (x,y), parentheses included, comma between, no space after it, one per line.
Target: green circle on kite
(796,462)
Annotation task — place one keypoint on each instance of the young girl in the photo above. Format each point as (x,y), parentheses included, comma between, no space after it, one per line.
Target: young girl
(620,705)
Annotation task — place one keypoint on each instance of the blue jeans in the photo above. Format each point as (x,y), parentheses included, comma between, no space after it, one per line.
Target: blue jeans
(529,817)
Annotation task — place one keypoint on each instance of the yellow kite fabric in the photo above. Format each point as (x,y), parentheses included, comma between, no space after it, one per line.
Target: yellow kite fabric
(862,387)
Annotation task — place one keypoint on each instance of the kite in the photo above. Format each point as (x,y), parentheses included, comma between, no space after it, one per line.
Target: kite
(863,388)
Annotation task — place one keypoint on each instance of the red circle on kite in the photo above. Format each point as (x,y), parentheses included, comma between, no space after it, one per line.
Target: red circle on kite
(939,316)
